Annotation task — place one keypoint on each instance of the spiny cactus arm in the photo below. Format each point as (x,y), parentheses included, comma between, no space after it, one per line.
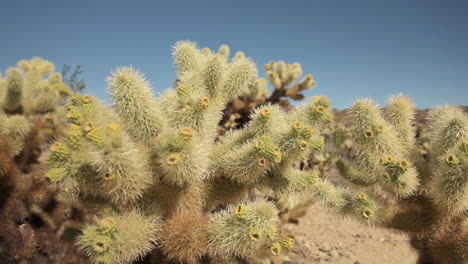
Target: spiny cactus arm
(282,75)
(449,137)
(249,162)
(42,89)
(290,180)
(14,91)
(448,129)
(120,238)
(307,83)
(450,183)
(224,51)
(189,106)
(361,206)
(316,113)
(258,92)
(187,57)
(379,150)
(214,74)
(99,156)
(400,114)
(45,101)
(297,141)
(35,70)
(240,74)
(16,128)
(182,156)
(354,174)
(246,230)
(185,237)
(266,120)
(239,55)
(135,103)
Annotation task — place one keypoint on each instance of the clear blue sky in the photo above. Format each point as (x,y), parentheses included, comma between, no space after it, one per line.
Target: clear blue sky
(354,48)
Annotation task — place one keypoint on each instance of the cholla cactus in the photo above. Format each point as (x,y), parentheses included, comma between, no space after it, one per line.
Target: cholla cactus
(32,88)
(283,77)
(160,155)
(33,220)
(425,197)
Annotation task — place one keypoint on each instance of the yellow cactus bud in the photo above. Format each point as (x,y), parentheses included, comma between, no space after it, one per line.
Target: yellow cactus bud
(75,136)
(174,159)
(277,150)
(56,175)
(259,144)
(265,113)
(101,243)
(186,132)
(313,177)
(303,145)
(107,226)
(320,109)
(362,196)
(318,144)
(275,249)
(241,211)
(114,129)
(403,165)
(254,234)
(74,116)
(78,100)
(288,243)
(262,162)
(96,136)
(386,161)
(272,232)
(369,133)
(60,151)
(88,127)
(183,91)
(297,125)
(87,99)
(205,102)
(309,131)
(109,176)
(367,213)
(452,160)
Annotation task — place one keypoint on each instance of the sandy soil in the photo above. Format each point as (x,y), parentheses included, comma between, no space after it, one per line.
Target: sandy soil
(322,237)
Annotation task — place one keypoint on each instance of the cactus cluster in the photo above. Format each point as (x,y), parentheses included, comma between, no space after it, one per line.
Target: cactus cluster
(284,79)
(159,162)
(395,185)
(32,115)
(154,179)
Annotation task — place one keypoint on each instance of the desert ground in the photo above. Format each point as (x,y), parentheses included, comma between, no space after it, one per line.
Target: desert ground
(321,237)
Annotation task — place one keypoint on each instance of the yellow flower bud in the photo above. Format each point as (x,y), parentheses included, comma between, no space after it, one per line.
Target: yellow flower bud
(254,234)
(174,159)
(241,211)
(265,113)
(452,160)
(205,102)
(303,145)
(275,249)
(186,132)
